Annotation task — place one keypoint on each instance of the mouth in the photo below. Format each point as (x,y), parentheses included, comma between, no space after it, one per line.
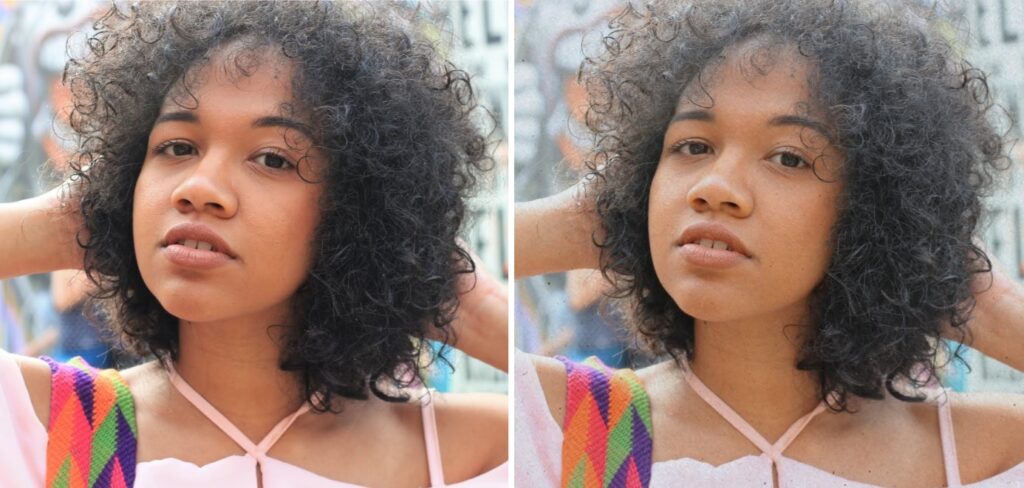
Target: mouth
(198,239)
(712,244)
(205,246)
(712,237)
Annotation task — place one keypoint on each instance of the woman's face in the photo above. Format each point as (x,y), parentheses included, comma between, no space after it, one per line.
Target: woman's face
(736,170)
(220,170)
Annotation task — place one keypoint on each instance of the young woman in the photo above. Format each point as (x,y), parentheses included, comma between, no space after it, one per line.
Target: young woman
(787,193)
(267,214)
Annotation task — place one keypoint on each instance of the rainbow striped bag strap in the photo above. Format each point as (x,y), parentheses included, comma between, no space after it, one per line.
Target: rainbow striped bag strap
(607,429)
(93,436)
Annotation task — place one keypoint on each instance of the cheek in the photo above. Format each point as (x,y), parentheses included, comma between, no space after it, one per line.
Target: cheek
(665,203)
(287,234)
(822,218)
(802,243)
(666,211)
(145,204)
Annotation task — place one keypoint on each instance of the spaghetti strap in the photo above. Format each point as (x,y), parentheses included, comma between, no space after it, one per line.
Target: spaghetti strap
(431,441)
(949,456)
(774,451)
(257,451)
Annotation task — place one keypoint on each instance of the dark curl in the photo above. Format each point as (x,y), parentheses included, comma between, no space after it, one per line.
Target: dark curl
(913,120)
(402,132)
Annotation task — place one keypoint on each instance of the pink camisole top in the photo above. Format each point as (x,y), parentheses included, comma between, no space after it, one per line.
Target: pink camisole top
(538,448)
(23,449)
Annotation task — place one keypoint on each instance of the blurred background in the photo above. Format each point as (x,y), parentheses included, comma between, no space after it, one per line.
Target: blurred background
(566,313)
(42,314)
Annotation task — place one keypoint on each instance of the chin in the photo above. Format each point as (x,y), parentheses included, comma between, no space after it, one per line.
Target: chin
(707,312)
(703,303)
(190,308)
(187,301)
(192,300)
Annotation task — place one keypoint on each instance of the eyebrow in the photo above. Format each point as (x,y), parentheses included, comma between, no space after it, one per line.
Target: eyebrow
(270,121)
(802,122)
(701,115)
(780,120)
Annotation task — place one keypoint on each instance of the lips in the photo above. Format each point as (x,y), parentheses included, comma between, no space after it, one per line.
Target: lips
(712,231)
(199,233)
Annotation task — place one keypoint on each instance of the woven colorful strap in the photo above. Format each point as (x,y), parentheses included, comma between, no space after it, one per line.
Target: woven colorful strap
(92,428)
(607,430)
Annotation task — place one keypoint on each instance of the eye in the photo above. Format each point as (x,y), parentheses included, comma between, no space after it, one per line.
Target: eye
(790,160)
(274,161)
(691,148)
(175,148)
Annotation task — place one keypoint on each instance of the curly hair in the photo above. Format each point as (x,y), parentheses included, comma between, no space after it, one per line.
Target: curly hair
(914,122)
(403,136)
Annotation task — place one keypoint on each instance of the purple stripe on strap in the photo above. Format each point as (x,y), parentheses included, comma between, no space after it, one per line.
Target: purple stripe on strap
(104,478)
(600,386)
(126,448)
(619,480)
(84,389)
(642,446)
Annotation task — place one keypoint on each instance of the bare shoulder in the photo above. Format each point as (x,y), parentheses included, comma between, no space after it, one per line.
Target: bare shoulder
(36,374)
(37,380)
(151,391)
(485,409)
(553,380)
(473,432)
(988,428)
(143,377)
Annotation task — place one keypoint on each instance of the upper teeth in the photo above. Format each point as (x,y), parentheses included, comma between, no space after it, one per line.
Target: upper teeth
(714,244)
(205,246)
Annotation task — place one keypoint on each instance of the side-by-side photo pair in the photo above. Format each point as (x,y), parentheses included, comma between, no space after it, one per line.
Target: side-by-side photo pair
(511,243)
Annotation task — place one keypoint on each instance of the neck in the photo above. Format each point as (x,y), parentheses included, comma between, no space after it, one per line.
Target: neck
(751,364)
(234,365)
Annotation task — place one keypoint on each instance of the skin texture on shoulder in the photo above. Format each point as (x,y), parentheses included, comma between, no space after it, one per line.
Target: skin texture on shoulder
(989,430)
(473,433)
(36,374)
(554,381)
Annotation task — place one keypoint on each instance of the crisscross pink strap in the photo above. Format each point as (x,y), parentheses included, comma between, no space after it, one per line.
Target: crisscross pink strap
(431,441)
(949,457)
(257,451)
(772,450)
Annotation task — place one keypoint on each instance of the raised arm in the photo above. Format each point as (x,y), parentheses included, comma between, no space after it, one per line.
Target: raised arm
(38,235)
(481,323)
(997,325)
(556,233)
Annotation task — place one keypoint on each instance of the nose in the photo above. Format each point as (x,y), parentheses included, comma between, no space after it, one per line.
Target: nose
(722,187)
(207,188)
